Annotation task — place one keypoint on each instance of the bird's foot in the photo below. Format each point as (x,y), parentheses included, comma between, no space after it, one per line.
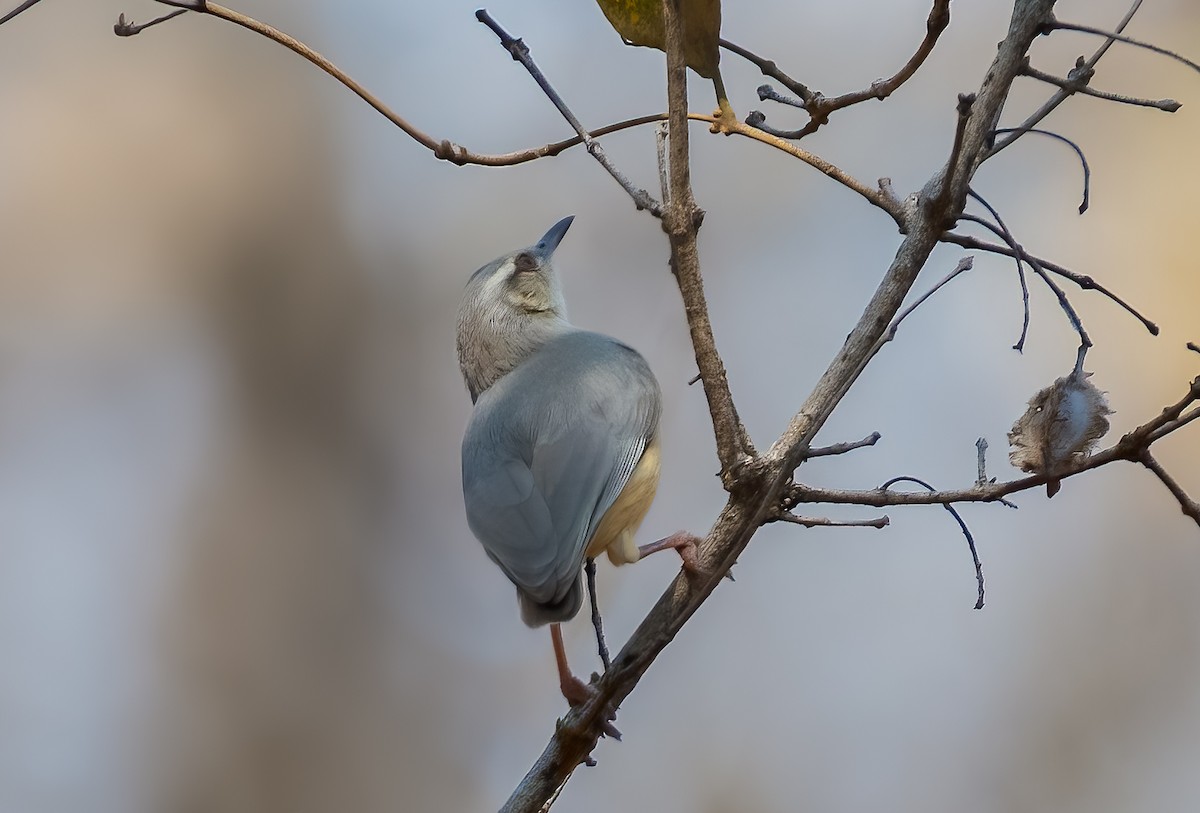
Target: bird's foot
(725,121)
(685,544)
(579,694)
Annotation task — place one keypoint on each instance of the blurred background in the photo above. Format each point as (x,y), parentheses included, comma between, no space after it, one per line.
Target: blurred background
(235,574)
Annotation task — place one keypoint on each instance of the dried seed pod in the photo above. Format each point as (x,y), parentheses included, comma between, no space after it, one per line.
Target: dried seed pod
(1061,426)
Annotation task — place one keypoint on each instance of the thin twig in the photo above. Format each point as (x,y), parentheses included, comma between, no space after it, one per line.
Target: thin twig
(1082,280)
(842,448)
(520,52)
(963,109)
(1061,95)
(1079,86)
(1056,25)
(820,107)
(26,5)
(1186,504)
(768,68)
(1018,255)
(961,524)
(442,149)
(1195,348)
(1087,172)
(664,182)
(1063,302)
(825,522)
(127,28)
(766,93)
(589,569)
(981,447)
(964,264)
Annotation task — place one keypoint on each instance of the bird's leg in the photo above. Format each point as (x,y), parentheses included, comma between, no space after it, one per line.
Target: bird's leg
(575,690)
(684,544)
(589,569)
(726,119)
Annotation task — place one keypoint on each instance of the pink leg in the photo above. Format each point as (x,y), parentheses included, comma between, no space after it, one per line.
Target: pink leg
(573,689)
(684,544)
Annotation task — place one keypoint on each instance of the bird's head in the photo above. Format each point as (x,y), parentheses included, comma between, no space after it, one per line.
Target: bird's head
(510,307)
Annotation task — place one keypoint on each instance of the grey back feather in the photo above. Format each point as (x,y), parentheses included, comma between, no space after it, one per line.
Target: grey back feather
(550,446)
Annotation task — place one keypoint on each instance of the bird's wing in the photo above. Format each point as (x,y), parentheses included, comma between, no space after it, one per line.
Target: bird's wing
(548,451)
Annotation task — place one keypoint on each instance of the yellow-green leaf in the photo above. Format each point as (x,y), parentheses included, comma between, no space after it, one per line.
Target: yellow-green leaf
(640,22)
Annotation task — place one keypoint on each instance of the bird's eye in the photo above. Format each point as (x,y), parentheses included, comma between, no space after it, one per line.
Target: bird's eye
(524,264)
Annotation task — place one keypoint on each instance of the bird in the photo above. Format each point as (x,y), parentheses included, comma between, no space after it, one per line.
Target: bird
(561,454)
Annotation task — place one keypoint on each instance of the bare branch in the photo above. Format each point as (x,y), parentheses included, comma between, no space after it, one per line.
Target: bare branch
(965,264)
(24,6)
(1079,85)
(520,53)
(1082,280)
(825,522)
(1082,68)
(1087,172)
(1186,504)
(842,448)
(819,107)
(124,28)
(1113,35)
(1002,230)
(962,526)
(681,221)
(1129,448)
(768,68)
(589,570)
(877,196)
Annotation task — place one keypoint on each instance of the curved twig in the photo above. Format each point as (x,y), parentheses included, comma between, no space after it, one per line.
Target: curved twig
(1084,281)
(818,106)
(961,524)
(1087,171)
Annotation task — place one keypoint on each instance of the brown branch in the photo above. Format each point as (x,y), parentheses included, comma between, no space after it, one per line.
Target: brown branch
(1087,171)
(842,448)
(1113,35)
(443,149)
(768,68)
(1186,504)
(965,264)
(1128,448)
(825,522)
(878,196)
(962,526)
(1082,280)
(757,485)
(820,107)
(23,7)
(128,28)
(1079,85)
(520,52)
(1082,68)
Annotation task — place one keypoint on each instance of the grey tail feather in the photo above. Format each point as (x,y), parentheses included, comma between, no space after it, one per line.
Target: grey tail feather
(537,614)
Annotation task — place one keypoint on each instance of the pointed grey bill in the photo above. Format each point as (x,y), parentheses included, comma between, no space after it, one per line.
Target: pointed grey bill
(545,247)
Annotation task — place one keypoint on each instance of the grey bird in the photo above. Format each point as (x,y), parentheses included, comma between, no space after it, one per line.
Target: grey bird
(560,460)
